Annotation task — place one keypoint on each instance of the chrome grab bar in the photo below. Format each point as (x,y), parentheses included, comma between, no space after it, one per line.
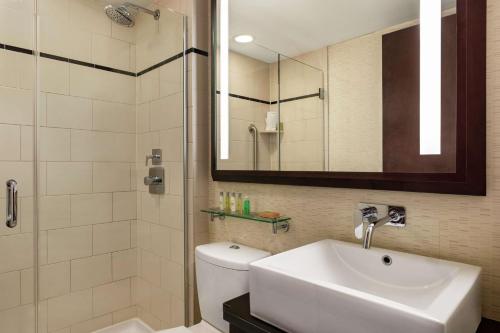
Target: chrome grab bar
(254,131)
(11,203)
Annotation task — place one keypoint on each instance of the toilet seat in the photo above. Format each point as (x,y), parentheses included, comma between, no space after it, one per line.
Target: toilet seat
(202,327)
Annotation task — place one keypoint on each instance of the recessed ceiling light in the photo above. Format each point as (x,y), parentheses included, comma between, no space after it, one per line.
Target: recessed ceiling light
(244,39)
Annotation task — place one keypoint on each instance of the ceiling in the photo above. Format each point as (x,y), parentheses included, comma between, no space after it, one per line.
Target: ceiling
(294,27)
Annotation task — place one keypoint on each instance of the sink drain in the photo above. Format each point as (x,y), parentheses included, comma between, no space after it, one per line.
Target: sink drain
(387,260)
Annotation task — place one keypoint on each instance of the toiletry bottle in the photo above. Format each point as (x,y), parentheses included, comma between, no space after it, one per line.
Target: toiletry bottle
(239,204)
(227,203)
(246,206)
(221,201)
(233,202)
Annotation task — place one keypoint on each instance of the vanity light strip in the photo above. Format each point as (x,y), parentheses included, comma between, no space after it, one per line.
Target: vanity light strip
(100,67)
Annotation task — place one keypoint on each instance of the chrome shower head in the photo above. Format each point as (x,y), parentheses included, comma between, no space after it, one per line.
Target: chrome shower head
(125,14)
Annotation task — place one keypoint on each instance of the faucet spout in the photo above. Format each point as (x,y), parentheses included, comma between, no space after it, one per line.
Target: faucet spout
(369,216)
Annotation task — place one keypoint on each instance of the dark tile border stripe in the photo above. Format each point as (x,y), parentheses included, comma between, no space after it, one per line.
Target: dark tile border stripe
(271,102)
(297,98)
(100,67)
(247,98)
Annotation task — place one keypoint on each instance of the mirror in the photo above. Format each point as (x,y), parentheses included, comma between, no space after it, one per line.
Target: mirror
(343,85)
(386,94)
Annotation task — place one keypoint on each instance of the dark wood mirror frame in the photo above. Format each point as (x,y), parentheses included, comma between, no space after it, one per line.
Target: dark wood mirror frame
(470,176)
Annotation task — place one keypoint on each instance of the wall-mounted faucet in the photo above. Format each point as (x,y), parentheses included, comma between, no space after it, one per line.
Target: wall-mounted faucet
(373,216)
(156,175)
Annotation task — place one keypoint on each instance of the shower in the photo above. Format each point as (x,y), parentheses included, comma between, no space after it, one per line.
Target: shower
(125,14)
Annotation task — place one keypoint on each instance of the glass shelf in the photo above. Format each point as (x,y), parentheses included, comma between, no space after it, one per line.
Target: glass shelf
(280,223)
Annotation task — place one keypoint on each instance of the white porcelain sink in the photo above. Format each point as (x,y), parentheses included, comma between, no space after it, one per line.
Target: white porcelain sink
(333,286)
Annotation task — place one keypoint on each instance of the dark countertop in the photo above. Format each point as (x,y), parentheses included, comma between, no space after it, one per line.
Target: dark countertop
(237,313)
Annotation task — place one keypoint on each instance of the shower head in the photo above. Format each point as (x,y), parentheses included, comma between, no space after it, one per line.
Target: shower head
(125,14)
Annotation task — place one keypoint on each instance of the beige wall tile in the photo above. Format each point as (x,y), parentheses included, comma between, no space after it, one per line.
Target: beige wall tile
(69,243)
(69,309)
(69,177)
(150,207)
(90,272)
(54,212)
(114,117)
(10,290)
(124,264)
(27,280)
(54,280)
(111,177)
(160,240)
(54,144)
(54,76)
(91,208)
(171,211)
(93,324)
(102,85)
(125,314)
(16,26)
(19,100)
(172,278)
(19,319)
(110,52)
(166,113)
(20,250)
(69,112)
(124,206)
(111,297)
(110,237)
(150,268)
(102,146)
(10,137)
(160,304)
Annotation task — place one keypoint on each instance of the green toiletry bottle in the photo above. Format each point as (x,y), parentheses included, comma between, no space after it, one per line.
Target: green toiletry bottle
(246,206)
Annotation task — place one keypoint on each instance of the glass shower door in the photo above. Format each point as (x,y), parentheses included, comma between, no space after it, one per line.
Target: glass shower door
(17,119)
(109,249)
(301,110)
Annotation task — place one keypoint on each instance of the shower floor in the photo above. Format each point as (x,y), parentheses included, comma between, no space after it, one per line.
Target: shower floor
(129,326)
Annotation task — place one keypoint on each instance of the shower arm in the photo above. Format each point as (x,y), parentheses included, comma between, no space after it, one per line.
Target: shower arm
(154,13)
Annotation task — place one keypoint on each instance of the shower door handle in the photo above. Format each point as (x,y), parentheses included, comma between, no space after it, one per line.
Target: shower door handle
(11,203)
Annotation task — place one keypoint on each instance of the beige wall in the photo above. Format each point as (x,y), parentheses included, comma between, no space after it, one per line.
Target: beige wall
(355,130)
(459,228)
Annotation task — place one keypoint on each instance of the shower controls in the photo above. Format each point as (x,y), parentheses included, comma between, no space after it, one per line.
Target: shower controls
(155,157)
(11,203)
(156,180)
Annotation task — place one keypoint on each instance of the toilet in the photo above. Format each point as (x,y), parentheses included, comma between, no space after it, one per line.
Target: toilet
(221,275)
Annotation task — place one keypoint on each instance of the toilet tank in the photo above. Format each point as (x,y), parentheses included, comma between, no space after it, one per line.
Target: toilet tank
(221,275)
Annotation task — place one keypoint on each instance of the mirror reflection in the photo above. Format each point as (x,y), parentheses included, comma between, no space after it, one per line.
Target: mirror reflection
(343,85)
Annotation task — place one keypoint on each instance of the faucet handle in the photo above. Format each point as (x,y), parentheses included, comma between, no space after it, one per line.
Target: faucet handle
(155,157)
(369,214)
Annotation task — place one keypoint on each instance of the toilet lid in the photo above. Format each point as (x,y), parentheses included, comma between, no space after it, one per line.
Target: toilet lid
(229,255)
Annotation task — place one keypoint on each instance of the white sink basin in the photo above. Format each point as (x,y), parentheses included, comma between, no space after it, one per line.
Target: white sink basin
(333,286)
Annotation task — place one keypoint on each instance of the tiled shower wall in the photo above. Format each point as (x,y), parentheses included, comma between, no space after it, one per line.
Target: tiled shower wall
(459,228)
(159,286)
(249,78)
(87,205)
